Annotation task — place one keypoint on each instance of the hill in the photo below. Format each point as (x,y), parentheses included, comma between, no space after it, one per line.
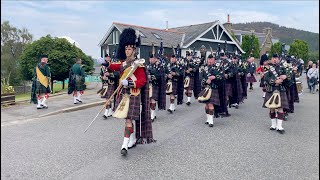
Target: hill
(285,34)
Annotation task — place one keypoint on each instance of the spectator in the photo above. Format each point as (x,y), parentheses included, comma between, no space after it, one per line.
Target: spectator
(313,77)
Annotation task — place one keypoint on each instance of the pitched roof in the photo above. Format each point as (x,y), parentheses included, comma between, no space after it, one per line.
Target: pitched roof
(168,37)
(193,31)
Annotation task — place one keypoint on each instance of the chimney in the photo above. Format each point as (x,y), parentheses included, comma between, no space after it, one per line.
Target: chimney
(167,26)
(228,24)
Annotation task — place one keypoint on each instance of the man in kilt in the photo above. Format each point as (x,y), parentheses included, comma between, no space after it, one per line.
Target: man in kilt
(157,82)
(243,76)
(41,83)
(274,78)
(76,81)
(108,86)
(251,69)
(190,70)
(237,92)
(225,90)
(173,72)
(211,75)
(136,89)
(291,87)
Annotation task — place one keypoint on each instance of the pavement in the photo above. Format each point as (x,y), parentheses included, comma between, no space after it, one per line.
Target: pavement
(238,147)
(57,103)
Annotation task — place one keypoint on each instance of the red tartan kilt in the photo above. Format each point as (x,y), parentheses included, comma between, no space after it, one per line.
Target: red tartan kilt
(191,84)
(109,91)
(155,92)
(283,96)
(228,89)
(134,105)
(251,79)
(214,99)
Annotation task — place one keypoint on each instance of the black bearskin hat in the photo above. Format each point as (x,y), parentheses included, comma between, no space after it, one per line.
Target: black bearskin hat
(128,37)
(43,56)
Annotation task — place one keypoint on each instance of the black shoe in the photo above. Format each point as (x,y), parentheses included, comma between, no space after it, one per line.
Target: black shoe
(79,101)
(281,131)
(206,123)
(271,128)
(44,107)
(236,106)
(170,111)
(105,117)
(152,120)
(188,103)
(210,125)
(216,116)
(155,117)
(124,152)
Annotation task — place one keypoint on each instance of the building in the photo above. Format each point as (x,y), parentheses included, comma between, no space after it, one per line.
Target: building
(266,40)
(188,37)
(209,34)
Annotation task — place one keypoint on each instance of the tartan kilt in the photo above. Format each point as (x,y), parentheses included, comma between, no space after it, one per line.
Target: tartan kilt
(110,91)
(40,89)
(283,96)
(174,88)
(79,86)
(134,105)
(214,99)
(251,79)
(228,89)
(155,92)
(191,84)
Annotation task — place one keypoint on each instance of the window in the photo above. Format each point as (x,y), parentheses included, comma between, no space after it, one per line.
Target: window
(157,36)
(141,34)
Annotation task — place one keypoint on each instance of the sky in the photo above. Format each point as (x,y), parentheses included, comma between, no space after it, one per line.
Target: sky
(86,22)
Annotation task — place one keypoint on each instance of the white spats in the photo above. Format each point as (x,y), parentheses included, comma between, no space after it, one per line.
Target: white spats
(189,99)
(210,120)
(153,114)
(79,96)
(207,121)
(75,100)
(125,143)
(106,112)
(39,104)
(279,124)
(264,95)
(172,107)
(43,103)
(132,140)
(273,123)
(110,112)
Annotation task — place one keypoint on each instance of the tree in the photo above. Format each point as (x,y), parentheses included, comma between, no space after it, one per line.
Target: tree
(275,49)
(61,55)
(299,49)
(313,56)
(250,44)
(13,42)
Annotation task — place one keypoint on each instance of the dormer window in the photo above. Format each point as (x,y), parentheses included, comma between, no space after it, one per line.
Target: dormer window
(157,36)
(141,34)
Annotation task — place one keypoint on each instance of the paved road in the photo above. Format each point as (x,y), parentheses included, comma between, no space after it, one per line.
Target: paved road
(237,147)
